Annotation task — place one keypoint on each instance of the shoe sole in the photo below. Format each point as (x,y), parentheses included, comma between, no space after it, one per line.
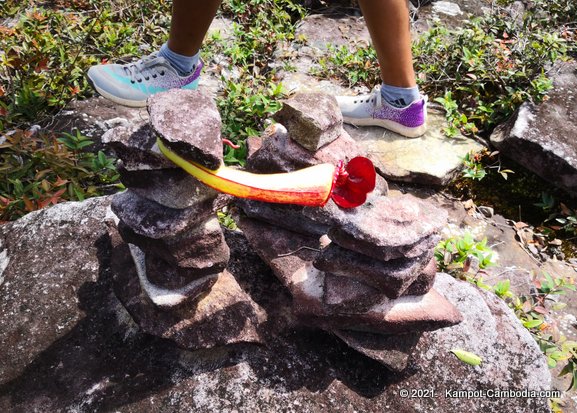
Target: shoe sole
(127,102)
(390,125)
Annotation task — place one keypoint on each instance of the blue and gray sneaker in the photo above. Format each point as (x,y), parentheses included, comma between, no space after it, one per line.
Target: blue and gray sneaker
(133,83)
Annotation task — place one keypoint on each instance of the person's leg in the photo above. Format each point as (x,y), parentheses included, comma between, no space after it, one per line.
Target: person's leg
(397,104)
(190,22)
(388,24)
(176,65)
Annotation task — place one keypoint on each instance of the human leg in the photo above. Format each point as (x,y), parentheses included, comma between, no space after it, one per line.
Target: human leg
(176,65)
(397,103)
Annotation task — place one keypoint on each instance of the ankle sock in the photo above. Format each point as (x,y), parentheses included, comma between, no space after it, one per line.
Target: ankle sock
(399,97)
(183,64)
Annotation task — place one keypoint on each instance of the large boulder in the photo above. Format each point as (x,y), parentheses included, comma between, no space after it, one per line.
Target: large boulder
(48,260)
(68,345)
(541,137)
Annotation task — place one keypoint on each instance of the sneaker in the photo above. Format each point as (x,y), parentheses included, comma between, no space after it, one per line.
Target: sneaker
(372,110)
(133,83)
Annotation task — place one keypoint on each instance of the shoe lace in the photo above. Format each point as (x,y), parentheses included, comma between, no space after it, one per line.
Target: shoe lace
(145,68)
(374,97)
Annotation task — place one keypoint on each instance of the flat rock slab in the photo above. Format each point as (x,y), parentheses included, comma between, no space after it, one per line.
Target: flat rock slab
(200,250)
(290,256)
(150,219)
(391,351)
(136,147)
(172,188)
(94,116)
(407,314)
(279,153)
(188,122)
(49,261)
(391,277)
(324,30)
(432,159)
(391,227)
(542,137)
(164,296)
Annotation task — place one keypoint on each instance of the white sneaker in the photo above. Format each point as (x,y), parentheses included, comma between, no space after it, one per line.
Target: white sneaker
(373,110)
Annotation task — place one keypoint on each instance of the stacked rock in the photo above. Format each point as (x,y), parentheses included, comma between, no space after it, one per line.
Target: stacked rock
(371,279)
(167,219)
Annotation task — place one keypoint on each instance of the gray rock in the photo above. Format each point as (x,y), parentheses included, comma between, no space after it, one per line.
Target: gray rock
(391,351)
(541,137)
(312,119)
(347,295)
(166,276)
(431,159)
(223,315)
(150,219)
(47,260)
(198,251)
(68,345)
(165,295)
(324,30)
(406,314)
(172,188)
(280,153)
(188,122)
(290,256)
(286,252)
(286,216)
(96,115)
(425,280)
(136,148)
(391,277)
(393,227)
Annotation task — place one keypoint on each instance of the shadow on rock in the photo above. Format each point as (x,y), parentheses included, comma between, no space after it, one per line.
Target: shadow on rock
(105,362)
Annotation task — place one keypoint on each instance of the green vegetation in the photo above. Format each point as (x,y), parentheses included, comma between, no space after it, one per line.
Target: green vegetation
(39,169)
(454,256)
(47,50)
(480,72)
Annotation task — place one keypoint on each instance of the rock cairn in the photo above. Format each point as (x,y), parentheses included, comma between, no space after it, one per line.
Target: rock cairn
(175,283)
(364,274)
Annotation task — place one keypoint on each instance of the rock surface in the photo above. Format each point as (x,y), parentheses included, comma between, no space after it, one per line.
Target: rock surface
(136,147)
(391,277)
(313,120)
(100,361)
(390,228)
(196,138)
(542,137)
(200,250)
(432,159)
(172,188)
(51,262)
(150,219)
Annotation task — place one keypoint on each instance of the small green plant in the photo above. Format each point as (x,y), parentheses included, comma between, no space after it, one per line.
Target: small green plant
(454,254)
(226,220)
(39,170)
(533,311)
(476,164)
(561,217)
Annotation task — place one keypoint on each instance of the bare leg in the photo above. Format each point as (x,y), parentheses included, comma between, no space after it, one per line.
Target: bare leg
(388,24)
(190,22)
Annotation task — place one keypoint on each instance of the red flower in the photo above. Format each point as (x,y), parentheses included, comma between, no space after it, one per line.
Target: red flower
(353,182)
